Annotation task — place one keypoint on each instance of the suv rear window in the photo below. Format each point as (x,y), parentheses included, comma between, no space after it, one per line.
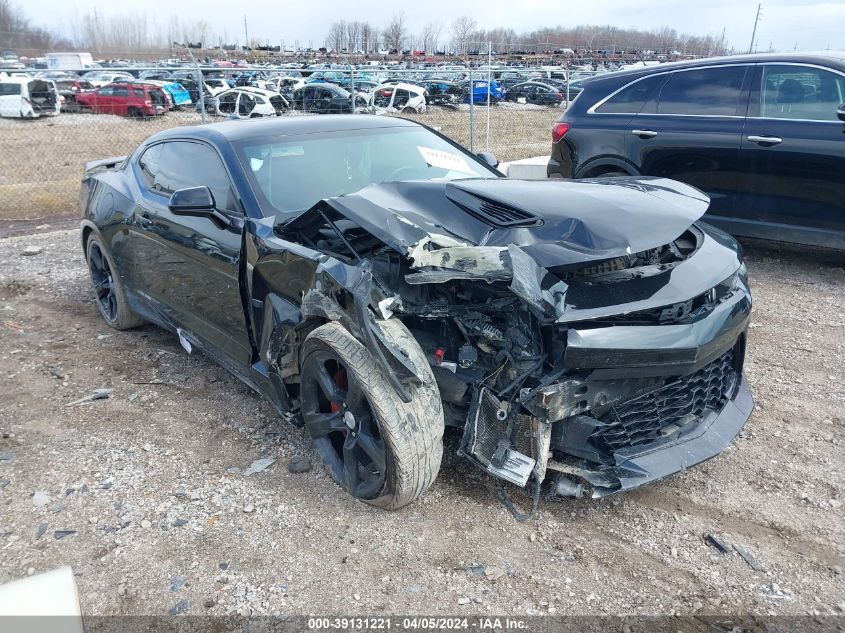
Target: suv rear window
(712,91)
(631,99)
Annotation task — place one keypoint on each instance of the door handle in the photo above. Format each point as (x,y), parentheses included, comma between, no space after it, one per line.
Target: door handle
(644,133)
(765,140)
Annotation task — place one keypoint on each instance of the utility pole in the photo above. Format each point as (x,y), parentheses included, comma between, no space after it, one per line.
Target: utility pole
(754,32)
(246,34)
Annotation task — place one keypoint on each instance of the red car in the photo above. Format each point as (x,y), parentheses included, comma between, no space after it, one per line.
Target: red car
(125,99)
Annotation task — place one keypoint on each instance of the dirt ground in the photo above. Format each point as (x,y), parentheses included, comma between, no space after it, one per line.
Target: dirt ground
(144,494)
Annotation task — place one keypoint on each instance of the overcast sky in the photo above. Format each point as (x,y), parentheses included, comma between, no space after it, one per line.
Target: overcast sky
(785,24)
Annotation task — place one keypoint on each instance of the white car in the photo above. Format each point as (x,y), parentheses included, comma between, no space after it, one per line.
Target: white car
(397,97)
(247,102)
(23,97)
(216,86)
(100,78)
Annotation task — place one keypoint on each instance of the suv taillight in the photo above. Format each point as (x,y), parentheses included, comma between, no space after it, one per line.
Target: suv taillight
(559,130)
(148,103)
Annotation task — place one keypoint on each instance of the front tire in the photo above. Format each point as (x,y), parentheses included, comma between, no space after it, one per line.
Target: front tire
(380,449)
(108,291)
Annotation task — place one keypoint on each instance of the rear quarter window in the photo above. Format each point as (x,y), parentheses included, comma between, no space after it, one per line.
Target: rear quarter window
(632,98)
(10,89)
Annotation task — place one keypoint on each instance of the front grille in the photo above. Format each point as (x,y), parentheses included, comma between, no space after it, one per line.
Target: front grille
(669,410)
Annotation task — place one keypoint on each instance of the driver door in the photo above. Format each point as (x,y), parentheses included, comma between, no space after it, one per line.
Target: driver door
(193,264)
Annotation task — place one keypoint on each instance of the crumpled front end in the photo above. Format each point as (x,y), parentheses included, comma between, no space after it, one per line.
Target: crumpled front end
(603,377)
(593,331)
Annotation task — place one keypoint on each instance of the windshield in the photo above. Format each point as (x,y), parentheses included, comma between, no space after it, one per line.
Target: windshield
(292,173)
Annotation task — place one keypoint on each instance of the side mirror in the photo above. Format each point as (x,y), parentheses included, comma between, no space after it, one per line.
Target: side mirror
(192,201)
(489,158)
(197,202)
(840,111)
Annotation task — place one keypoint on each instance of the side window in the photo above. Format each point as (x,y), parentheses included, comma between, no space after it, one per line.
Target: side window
(120,92)
(106,91)
(800,92)
(10,89)
(632,98)
(183,164)
(148,164)
(713,91)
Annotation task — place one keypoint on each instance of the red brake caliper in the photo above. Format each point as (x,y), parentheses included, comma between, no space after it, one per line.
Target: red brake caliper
(340,381)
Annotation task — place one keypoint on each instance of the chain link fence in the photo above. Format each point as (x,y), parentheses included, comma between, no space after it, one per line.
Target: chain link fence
(41,160)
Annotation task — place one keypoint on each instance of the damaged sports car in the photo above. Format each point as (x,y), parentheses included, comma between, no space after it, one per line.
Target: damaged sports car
(376,282)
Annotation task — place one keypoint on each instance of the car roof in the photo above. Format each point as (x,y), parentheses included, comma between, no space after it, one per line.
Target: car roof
(823,57)
(243,130)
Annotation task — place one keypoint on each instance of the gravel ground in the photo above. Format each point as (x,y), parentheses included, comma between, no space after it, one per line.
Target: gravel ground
(144,494)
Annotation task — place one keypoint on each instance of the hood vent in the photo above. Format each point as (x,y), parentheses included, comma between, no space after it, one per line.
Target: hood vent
(492,212)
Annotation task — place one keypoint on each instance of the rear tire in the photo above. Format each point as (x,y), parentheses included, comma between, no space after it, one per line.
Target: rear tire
(108,291)
(352,413)
(134,113)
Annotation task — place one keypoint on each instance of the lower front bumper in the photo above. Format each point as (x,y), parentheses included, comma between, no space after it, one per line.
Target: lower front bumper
(711,436)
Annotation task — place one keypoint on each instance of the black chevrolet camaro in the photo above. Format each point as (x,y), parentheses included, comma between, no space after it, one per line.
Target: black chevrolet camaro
(380,282)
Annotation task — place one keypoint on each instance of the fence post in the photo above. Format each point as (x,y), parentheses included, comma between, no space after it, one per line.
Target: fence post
(201,88)
(471,113)
(352,87)
(568,77)
(489,81)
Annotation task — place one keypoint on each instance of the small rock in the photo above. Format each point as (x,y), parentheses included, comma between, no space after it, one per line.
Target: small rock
(121,589)
(180,607)
(532,537)
(147,447)
(60,534)
(177,582)
(299,465)
(40,498)
(224,565)
(93,520)
(259,464)
(209,602)
(29,251)
(180,522)
(42,529)
(146,524)
(463,600)
(493,573)
(249,509)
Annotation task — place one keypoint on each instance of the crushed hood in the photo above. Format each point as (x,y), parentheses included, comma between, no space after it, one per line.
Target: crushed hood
(557,223)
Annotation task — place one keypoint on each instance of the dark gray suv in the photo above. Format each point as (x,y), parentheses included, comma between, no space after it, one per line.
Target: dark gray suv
(762,135)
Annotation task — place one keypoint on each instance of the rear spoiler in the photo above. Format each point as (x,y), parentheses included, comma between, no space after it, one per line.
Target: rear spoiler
(104,164)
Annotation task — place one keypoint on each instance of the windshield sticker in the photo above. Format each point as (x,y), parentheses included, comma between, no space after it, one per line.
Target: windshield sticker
(445,160)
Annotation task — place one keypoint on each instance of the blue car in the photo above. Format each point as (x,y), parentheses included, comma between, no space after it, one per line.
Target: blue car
(178,94)
(479,92)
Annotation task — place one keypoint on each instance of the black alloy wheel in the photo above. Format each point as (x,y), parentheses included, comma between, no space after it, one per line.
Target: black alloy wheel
(104,283)
(339,418)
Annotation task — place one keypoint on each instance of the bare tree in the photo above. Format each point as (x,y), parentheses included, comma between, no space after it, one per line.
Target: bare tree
(396,32)
(430,35)
(353,36)
(462,29)
(336,35)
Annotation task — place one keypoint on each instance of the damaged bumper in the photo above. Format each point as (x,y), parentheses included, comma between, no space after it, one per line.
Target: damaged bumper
(630,470)
(633,404)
